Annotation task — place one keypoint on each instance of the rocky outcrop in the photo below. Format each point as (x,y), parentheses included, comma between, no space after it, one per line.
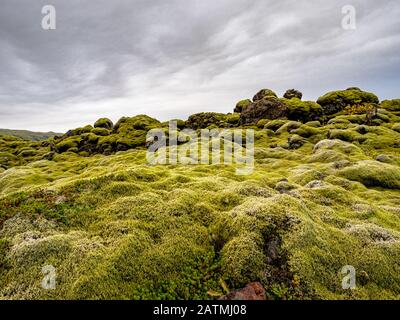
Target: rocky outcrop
(268,107)
(104,123)
(242,105)
(293,93)
(336,101)
(264,93)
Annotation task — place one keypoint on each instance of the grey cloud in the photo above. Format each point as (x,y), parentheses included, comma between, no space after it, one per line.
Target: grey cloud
(171,58)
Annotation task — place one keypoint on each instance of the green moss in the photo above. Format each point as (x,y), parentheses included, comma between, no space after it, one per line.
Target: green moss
(206,119)
(274,125)
(140,122)
(116,228)
(68,143)
(27,152)
(391,105)
(104,123)
(241,105)
(243,260)
(83,130)
(345,135)
(302,110)
(262,123)
(233,119)
(336,101)
(373,174)
(264,93)
(101,131)
(396,127)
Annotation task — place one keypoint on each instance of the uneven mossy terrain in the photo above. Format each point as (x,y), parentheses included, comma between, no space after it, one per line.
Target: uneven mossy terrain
(325,193)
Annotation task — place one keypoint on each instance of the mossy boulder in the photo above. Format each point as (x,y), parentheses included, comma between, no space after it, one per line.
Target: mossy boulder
(242,105)
(101,131)
(293,93)
(303,111)
(68,143)
(204,120)
(104,123)
(268,107)
(373,174)
(391,105)
(140,122)
(264,93)
(274,125)
(78,131)
(336,101)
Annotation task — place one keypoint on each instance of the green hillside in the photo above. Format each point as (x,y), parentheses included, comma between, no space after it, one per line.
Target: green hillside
(28,135)
(324,193)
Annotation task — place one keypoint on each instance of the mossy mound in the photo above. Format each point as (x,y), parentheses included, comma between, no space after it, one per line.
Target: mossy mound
(373,174)
(391,105)
(207,120)
(104,123)
(303,111)
(263,93)
(336,101)
(293,93)
(241,105)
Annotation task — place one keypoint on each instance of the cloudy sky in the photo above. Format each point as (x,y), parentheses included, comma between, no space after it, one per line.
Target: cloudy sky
(172,58)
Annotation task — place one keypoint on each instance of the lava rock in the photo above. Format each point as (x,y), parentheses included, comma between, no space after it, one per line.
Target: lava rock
(293,93)
(252,291)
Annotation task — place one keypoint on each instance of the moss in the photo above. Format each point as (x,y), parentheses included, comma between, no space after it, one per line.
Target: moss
(391,105)
(101,131)
(373,174)
(68,143)
(241,105)
(274,125)
(289,126)
(27,152)
(314,124)
(117,228)
(396,127)
(262,123)
(233,119)
(243,260)
(336,101)
(264,93)
(295,141)
(104,123)
(345,135)
(140,122)
(302,110)
(79,131)
(306,131)
(206,119)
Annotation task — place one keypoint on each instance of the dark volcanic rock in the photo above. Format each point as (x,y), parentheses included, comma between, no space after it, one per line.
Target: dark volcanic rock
(267,108)
(292,93)
(264,93)
(242,105)
(253,291)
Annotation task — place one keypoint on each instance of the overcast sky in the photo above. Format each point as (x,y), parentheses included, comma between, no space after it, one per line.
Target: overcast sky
(172,58)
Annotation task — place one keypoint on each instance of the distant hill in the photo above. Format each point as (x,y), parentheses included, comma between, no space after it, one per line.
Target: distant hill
(28,135)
